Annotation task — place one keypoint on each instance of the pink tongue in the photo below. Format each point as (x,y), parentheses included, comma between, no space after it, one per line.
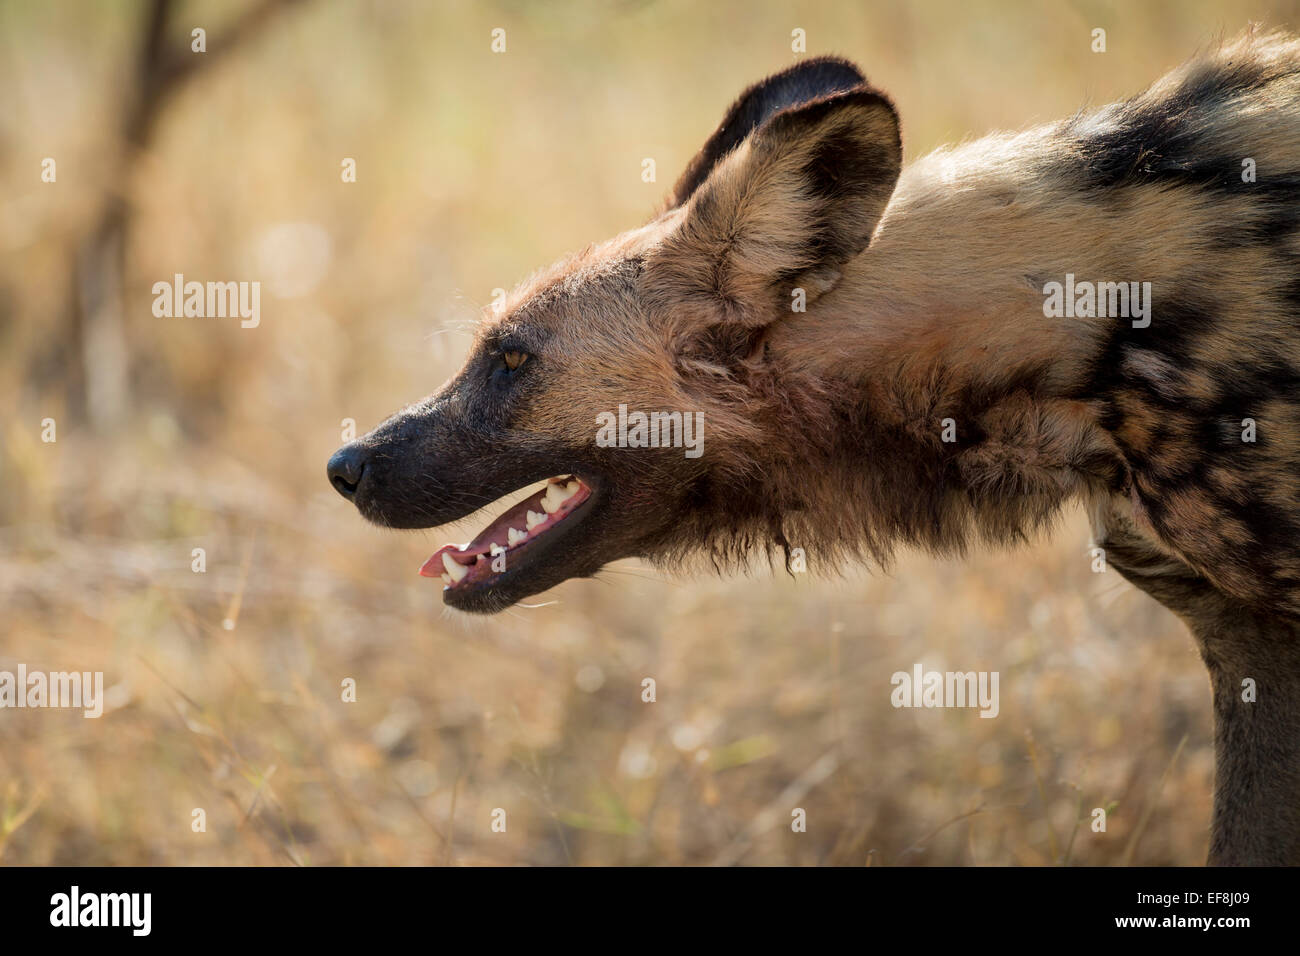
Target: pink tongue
(433,567)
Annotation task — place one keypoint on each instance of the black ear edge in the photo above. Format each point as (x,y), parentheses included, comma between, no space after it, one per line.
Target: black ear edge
(805,82)
(789,121)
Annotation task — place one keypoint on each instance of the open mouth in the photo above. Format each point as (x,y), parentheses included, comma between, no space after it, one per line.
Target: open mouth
(512,540)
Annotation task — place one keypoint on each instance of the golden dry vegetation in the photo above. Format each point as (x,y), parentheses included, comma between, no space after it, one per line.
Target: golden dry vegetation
(474,168)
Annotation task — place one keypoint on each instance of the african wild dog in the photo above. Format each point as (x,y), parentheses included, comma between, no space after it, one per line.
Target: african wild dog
(925,292)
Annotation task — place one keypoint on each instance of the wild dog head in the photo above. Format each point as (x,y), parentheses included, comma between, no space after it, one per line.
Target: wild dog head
(668,321)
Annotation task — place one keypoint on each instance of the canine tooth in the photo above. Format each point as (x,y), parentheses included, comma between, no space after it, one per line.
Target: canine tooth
(446,579)
(457,571)
(570,489)
(494,549)
(534,519)
(513,536)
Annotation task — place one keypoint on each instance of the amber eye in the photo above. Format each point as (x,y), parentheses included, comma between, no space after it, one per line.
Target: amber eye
(514,359)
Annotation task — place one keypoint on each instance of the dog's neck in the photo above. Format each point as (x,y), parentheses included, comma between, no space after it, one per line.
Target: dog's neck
(972,408)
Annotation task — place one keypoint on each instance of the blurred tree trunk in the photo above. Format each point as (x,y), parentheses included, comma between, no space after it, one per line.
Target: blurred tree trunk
(165,64)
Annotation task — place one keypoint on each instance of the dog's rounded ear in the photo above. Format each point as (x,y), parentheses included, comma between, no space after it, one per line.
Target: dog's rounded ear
(782,212)
(802,83)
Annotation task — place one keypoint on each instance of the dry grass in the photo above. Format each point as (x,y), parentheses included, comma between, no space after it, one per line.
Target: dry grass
(473,169)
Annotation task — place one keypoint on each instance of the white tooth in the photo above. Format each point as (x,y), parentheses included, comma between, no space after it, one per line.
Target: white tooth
(570,489)
(446,579)
(534,519)
(513,536)
(457,571)
(495,549)
(555,496)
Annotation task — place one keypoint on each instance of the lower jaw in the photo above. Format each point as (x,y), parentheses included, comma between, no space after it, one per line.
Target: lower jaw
(487,579)
(496,591)
(477,600)
(495,581)
(489,598)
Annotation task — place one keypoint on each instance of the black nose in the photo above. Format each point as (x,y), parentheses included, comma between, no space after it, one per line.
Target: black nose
(347,467)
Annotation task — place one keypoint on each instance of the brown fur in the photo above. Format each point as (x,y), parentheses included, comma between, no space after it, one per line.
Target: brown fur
(925,303)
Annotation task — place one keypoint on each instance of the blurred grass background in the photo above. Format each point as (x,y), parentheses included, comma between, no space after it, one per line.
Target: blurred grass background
(472,169)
